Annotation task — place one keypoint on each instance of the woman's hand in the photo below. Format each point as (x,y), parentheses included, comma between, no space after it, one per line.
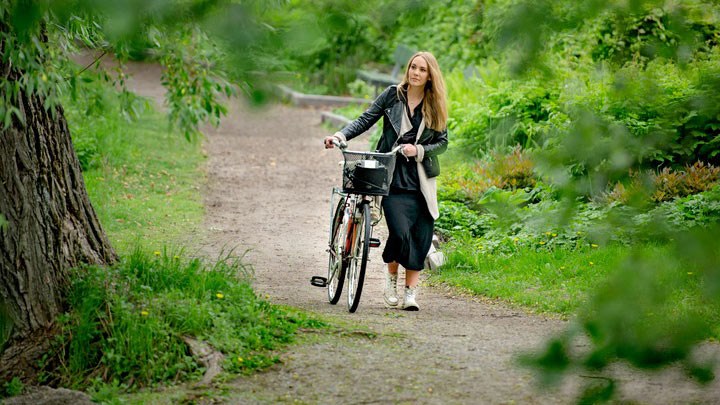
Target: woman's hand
(328,141)
(409,150)
(338,137)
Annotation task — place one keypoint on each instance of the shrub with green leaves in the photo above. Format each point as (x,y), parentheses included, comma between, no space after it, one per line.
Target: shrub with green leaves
(468,181)
(642,37)
(493,111)
(669,128)
(697,210)
(456,218)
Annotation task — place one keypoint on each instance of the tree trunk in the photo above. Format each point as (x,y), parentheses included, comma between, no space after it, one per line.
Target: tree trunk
(51,227)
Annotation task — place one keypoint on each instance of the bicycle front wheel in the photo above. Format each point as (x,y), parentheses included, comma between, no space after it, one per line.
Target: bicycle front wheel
(359,257)
(336,263)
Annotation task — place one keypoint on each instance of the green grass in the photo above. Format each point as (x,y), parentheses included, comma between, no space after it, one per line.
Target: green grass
(555,282)
(564,282)
(142,178)
(128,321)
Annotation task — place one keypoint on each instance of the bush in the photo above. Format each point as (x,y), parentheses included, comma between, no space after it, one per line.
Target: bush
(668,184)
(468,182)
(702,209)
(700,177)
(494,112)
(514,169)
(456,218)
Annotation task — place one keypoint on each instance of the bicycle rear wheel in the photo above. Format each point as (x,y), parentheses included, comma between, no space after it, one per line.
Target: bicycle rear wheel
(359,256)
(336,265)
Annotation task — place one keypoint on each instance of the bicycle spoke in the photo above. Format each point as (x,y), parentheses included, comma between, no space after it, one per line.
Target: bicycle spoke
(358,261)
(336,268)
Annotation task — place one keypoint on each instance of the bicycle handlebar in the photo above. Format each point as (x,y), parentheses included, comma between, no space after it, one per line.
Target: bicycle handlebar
(340,144)
(343,146)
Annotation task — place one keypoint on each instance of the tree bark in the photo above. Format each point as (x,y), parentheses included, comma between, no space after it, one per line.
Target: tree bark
(52,227)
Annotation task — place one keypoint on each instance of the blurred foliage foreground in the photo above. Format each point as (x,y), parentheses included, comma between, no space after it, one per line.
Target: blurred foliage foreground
(598,127)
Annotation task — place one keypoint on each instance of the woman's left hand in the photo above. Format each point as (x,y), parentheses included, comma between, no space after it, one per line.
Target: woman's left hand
(409,150)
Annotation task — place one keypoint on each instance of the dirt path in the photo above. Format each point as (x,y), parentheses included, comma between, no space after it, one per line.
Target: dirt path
(268,193)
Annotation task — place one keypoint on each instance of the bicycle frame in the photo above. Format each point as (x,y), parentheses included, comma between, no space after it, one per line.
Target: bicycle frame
(347,231)
(349,240)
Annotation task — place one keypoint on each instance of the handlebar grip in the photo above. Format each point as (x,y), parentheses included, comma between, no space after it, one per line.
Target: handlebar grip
(340,144)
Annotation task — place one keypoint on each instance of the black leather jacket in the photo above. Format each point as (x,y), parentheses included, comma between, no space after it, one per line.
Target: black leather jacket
(388,106)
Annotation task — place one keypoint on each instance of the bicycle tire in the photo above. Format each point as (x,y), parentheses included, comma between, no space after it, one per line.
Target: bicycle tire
(337,265)
(359,257)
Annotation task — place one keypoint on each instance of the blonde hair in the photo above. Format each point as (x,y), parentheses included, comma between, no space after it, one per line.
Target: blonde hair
(435,99)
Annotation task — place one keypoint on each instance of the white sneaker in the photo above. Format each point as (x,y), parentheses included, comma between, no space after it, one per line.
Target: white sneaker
(390,292)
(409,303)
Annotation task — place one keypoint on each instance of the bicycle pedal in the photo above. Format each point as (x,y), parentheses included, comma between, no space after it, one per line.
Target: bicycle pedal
(374,242)
(318,281)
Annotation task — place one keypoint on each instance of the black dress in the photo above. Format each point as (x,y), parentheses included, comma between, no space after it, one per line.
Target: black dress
(408,219)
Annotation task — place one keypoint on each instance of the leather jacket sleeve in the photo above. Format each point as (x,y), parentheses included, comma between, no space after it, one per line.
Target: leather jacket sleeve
(365,121)
(437,145)
(428,152)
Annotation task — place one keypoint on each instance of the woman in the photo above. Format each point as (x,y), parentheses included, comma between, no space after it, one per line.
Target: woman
(414,115)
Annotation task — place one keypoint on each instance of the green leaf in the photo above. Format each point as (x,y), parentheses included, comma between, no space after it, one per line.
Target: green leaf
(599,391)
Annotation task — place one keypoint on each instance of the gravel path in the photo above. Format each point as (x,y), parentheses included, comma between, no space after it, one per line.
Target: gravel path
(268,193)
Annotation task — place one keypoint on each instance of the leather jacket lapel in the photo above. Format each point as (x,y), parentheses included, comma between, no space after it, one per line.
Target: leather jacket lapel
(395,114)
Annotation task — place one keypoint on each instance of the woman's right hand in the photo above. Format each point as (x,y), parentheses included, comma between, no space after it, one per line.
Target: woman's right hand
(329,142)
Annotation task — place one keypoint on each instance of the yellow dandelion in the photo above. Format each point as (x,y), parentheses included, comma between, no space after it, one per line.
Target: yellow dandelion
(690,273)
(220,295)
(562,267)
(156,253)
(542,242)
(592,264)
(144,313)
(594,245)
(240,359)
(176,257)
(554,235)
(548,233)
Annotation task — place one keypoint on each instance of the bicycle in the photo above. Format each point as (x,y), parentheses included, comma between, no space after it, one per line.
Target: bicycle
(365,175)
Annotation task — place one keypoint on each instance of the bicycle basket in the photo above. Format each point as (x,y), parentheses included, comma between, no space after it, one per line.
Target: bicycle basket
(368,173)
